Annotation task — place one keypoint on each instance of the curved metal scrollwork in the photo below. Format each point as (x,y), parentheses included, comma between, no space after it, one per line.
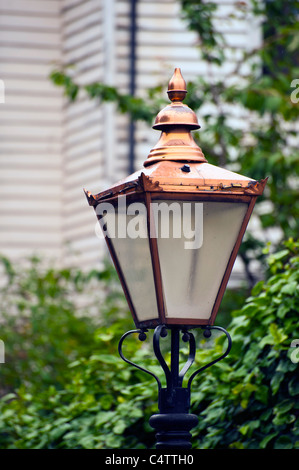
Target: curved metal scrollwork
(201,369)
(142,337)
(174,376)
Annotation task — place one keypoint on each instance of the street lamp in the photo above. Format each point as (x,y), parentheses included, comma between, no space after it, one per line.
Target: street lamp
(173,230)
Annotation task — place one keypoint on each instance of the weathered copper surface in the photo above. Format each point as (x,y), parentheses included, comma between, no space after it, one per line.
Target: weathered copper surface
(168,176)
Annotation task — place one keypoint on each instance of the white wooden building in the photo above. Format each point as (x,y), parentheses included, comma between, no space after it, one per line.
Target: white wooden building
(49,148)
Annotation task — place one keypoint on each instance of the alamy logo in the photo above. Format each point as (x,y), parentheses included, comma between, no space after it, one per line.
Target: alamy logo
(295,353)
(295,93)
(166,220)
(2,92)
(2,352)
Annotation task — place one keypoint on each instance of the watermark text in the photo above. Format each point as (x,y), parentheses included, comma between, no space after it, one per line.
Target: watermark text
(2,92)
(295,353)
(181,220)
(295,93)
(2,352)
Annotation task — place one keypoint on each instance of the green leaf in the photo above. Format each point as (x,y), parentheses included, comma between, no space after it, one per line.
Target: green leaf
(290,288)
(276,381)
(59,431)
(294,386)
(283,442)
(120,427)
(267,439)
(277,333)
(104,417)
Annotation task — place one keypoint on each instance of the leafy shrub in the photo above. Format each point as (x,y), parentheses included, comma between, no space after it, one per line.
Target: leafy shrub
(251,400)
(41,324)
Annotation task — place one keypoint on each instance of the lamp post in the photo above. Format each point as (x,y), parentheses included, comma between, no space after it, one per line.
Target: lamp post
(173,230)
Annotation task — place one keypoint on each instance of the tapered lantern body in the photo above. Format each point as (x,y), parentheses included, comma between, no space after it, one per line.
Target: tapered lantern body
(174,228)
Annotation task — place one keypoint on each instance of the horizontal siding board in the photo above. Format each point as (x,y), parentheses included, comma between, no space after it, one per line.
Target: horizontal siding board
(83,36)
(24,101)
(90,258)
(89,75)
(168,54)
(14,52)
(80,137)
(89,242)
(40,222)
(30,175)
(31,238)
(31,7)
(75,197)
(81,108)
(80,10)
(16,69)
(159,9)
(94,18)
(31,116)
(77,205)
(174,39)
(34,86)
(78,122)
(91,159)
(22,253)
(30,38)
(81,178)
(80,234)
(30,204)
(78,152)
(32,189)
(31,147)
(85,62)
(80,53)
(81,216)
(75,194)
(32,162)
(29,131)
(19,21)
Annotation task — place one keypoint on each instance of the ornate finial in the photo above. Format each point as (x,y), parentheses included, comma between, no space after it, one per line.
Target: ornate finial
(176,121)
(176,113)
(177,86)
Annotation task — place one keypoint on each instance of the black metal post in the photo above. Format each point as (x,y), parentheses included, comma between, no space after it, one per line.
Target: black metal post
(173,423)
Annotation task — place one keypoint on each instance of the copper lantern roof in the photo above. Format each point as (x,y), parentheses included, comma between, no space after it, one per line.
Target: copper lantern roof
(176,169)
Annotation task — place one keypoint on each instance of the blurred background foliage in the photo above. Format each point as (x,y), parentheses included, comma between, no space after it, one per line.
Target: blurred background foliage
(63,384)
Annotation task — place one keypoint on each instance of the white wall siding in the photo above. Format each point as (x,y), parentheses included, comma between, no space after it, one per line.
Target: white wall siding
(84,130)
(30,130)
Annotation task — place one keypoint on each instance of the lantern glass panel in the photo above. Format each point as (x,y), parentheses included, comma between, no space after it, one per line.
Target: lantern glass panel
(127,232)
(193,264)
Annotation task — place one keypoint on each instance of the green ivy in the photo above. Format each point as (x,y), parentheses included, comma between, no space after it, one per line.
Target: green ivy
(252,399)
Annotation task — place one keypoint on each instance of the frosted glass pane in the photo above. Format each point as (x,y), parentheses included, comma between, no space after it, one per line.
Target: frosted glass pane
(134,258)
(191,277)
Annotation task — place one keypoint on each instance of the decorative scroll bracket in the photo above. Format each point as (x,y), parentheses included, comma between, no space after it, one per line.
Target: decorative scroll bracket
(174,422)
